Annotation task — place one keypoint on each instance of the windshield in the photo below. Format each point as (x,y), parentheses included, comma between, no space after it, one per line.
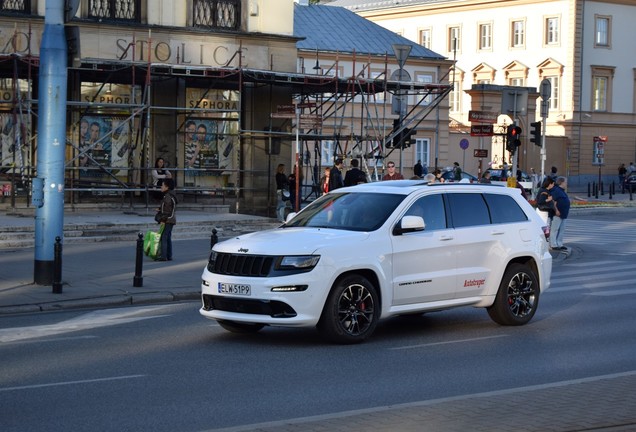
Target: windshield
(348,211)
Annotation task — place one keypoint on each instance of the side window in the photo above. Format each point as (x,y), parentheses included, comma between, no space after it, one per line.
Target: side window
(504,209)
(468,209)
(431,209)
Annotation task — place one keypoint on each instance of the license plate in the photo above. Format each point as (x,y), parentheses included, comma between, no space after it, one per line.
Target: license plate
(237,289)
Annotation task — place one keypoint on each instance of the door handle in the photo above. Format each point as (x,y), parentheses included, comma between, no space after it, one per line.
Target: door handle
(445,238)
(497,232)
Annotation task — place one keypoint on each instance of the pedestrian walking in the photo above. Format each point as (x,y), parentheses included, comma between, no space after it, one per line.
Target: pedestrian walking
(545,203)
(457,171)
(418,169)
(335,178)
(622,173)
(324,181)
(355,175)
(561,211)
(632,168)
(292,188)
(167,218)
(282,192)
(485,178)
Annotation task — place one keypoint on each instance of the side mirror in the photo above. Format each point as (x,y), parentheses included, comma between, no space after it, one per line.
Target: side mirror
(290,216)
(409,224)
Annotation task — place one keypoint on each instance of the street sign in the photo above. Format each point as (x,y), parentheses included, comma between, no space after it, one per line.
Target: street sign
(481,130)
(546,89)
(464,144)
(598,157)
(480,153)
(482,117)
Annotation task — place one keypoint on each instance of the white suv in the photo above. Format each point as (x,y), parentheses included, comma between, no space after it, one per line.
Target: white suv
(376,250)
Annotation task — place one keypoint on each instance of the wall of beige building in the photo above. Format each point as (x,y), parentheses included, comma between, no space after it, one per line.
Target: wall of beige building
(572,59)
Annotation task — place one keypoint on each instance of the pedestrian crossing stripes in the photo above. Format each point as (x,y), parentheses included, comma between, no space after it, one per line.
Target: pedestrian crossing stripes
(595,232)
(598,278)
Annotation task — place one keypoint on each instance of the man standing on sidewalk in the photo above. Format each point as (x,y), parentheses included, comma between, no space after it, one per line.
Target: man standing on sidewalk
(562,209)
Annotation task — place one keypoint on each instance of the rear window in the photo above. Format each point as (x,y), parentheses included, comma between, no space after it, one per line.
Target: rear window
(504,209)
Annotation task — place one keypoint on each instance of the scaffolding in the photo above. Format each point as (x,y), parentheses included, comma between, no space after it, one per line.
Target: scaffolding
(350,111)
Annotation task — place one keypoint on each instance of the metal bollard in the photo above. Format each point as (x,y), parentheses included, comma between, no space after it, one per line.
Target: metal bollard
(589,190)
(214,239)
(611,190)
(138,280)
(57,266)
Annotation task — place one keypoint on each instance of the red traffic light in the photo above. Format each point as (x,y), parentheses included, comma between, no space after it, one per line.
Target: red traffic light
(515,131)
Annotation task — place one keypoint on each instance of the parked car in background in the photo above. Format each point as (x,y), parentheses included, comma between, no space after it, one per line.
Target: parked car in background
(630,183)
(500,176)
(449,176)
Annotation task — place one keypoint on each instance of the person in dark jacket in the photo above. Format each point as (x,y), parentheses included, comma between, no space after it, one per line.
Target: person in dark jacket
(167,217)
(335,178)
(561,211)
(355,175)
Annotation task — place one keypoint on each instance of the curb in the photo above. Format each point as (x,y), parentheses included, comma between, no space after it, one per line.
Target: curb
(130,299)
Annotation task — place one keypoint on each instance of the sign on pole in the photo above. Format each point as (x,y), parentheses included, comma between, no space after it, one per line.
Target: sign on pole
(598,157)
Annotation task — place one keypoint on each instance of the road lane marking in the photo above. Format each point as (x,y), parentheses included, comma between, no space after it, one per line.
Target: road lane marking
(65,383)
(91,320)
(446,342)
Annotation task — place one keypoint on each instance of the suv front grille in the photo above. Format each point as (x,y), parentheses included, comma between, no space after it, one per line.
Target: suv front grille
(241,265)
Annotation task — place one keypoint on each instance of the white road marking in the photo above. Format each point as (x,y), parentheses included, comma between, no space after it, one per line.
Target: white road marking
(101,318)
(446,342)
(64,383)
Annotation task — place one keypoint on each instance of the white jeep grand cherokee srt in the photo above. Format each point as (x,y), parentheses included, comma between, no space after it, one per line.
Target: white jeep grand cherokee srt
(376,250)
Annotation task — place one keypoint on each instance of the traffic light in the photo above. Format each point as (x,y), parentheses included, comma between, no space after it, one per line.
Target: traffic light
(513,138)
(395,142)
(536,133)
(407,135)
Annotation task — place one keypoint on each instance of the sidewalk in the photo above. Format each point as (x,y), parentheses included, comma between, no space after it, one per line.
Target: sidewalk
(101,274)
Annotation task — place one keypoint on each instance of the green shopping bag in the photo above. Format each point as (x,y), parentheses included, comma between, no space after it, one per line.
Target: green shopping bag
(152,243)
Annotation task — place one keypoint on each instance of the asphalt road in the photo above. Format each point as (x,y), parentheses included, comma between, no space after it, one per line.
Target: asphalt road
(165,368)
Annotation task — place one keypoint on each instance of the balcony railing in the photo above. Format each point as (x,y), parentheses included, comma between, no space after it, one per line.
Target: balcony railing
(19,6)
(114,10)
(217,14)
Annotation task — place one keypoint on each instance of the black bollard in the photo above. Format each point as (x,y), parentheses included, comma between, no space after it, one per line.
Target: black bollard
(611,190)
(214,239)
(138,280)
(589,190)
(57,266)
(602,186)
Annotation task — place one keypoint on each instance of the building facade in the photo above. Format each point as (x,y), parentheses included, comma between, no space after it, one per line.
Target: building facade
(580,47)
(207,85)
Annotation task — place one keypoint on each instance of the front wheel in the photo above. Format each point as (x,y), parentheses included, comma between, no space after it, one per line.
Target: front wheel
(517,298)
(237,327)
(351,311)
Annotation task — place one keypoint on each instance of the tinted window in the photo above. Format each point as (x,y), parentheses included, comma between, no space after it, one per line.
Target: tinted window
(504,209)
(348,211)
(468,209)
(431,209)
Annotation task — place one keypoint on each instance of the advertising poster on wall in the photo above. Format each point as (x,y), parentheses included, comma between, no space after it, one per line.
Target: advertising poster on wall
(94,146)
(14,149)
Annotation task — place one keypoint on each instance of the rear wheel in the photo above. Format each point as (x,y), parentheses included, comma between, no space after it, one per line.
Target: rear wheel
(237,327)
(517,298)
(351,312)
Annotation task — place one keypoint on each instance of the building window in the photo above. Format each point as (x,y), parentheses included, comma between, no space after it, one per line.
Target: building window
(423,150)
(427,79)
(518,34)
(23,6)
(551,31)
(602,77)
(454,39)
(555,92)
(217,14)
(120,10)
(485,36)
(326,155)
(602,37)
(376,74)
(517,82)
(425,38)
(455,98)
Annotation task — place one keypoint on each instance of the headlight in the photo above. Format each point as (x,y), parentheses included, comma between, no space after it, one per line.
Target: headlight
(305,262)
